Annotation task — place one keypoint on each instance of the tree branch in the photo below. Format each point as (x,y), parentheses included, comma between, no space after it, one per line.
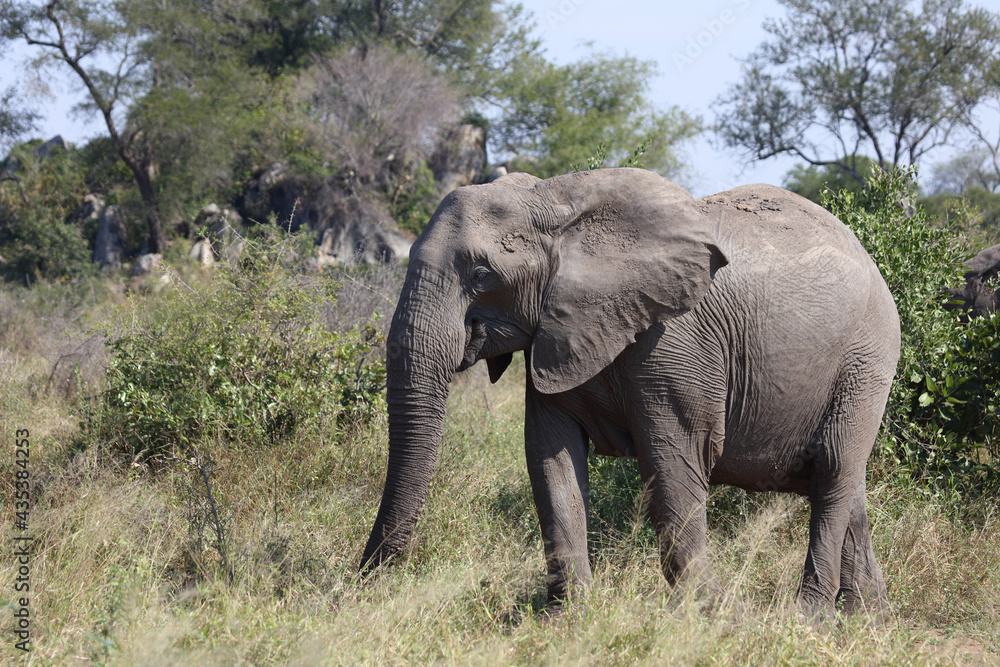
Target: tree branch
(8,176)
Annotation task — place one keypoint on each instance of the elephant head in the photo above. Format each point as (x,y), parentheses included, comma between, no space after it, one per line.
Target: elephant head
(572,268)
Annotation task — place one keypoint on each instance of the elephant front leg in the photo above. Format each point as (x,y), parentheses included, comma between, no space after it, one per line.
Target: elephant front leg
(677,503)
(556,452)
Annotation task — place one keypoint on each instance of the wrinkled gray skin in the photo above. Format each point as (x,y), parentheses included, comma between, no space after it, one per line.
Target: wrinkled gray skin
(745,338)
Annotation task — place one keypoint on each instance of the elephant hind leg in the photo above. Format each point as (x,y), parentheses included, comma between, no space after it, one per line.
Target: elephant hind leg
(828,525)
(837,493)
(861,584)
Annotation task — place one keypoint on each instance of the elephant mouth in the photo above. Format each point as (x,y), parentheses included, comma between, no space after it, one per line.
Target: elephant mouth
(476,337)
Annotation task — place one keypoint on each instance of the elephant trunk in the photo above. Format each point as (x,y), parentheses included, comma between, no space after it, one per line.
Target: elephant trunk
(421,359)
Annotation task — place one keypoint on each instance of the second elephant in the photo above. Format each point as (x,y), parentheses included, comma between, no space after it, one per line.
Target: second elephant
(978,297)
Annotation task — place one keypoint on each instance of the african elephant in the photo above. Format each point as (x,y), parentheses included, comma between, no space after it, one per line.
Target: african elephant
(745,338)
(978,298)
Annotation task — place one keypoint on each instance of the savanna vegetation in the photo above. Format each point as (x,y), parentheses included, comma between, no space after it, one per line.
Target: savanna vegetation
(208,445)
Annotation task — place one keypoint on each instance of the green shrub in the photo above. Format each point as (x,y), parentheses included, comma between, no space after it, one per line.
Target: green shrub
(982,223)
(413,197)
(35,239)
(616,506)
(942,412)
(244,360)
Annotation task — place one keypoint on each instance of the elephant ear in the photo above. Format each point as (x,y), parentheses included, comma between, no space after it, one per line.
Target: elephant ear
(632,249)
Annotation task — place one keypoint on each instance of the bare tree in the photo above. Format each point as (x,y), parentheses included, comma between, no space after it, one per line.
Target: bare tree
(974,167)
(378,110)
(987,147)
(841,78)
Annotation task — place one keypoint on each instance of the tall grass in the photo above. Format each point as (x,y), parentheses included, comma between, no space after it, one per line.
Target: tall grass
(127,572)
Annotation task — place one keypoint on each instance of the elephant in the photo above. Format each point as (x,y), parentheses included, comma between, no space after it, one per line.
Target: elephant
(977,298)
(745,338)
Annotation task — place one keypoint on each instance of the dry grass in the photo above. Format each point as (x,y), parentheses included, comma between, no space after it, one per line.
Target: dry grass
(126,573)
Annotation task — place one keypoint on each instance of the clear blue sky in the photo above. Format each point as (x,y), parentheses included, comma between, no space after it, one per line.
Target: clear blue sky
(696,46)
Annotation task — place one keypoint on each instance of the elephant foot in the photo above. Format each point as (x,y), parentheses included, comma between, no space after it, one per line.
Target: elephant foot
(708,596)
(875,606)
(556,610)
(704,590)
(551,613)
(562,598)
(818,615)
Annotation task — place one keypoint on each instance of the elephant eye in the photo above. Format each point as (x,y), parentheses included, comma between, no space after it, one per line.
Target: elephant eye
(480,276)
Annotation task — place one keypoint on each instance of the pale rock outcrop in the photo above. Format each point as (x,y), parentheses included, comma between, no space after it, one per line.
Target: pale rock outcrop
(460,158)
(147,264)
(348,228)
(201,252)
(111,238)
(224,229)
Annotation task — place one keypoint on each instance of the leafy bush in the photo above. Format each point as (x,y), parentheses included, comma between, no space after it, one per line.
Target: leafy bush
(413,198)
(245,360)
(35,239)
(616,505)
(982,224)
(942,412)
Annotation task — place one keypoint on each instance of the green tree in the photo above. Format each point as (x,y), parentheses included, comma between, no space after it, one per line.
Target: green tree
(209,136)
(812,182)
(82,36)
(220,101)
(467,38)
(843,77)
(36,241)
(187,39)
(556,115)
(15,119)
(15,122)
(239,87)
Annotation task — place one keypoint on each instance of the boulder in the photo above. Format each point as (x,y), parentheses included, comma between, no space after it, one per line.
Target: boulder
(146,264)
(224,230)
(460,158)
(111,238)
(201,252)
(44,151)
(256,196)
(88,211)
(360,233)
(39,152)
(348,228)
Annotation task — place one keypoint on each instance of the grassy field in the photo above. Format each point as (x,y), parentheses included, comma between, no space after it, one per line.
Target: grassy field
(128,569)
